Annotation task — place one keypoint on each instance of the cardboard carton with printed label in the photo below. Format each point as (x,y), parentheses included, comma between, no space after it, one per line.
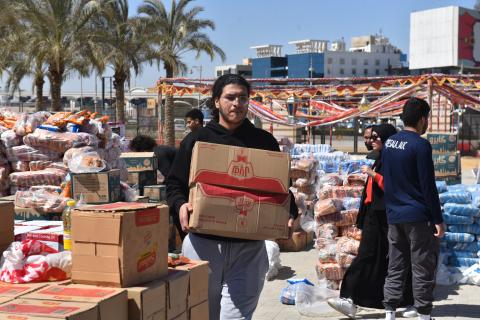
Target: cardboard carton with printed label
(239,192)
(15,290)
(139,161)
(147,301)
(111,302)
(45,309)
(119,244)
(6,225)
(97,188)
(198,281)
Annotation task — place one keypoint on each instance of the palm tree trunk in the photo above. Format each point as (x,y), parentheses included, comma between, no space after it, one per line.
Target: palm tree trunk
(56,89)
(120,97)
(169,113)
(39,82)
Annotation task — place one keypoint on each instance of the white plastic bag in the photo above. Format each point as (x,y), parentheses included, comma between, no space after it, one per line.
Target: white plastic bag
(87,162)
(471,275)
(311,300)
(273,251)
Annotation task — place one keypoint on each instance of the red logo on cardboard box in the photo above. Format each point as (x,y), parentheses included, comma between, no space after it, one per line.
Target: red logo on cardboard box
(147,217)
(146,261)
(240,168)
(244,204)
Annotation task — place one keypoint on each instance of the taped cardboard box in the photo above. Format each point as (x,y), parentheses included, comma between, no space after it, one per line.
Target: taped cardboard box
(31,214)
(198,281)
(15,290)
(238,213)
(111,302)
(45,309)
(183,316)
(97,188)
(140,161)
(296,243)
(155,193)
(446,164)
(442,142)
(119,244)
(243,168)
(142,179)
(199,312)
(148,302)
(177,284)
(6,225)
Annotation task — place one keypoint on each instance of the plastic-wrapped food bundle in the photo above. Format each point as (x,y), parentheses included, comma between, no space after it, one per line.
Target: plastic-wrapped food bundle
(352,166)
(461,197)
(461,209)
(326,231)
(20,166)
(345,259)
(347,245)
(35,178)
(340,192)
(334,284)
(40,200)
(87,162)
(330,271)
(59,141)
(27,153)
(311,148)
(28,123)
(331,179)
(356,179)
(463,262)
(454,219)
(327,206)
(351,203)
(332,218)
(476,198)
(351,232)
(303,182)
(73,152)
(347,218)
(459,237)
(300,199)
(472,228)
(46,188)
(301,168)
(456,188)
(10,139)
(441,186)
(39,165)
(58,119)
(464,246)
(327,254)
(322,243)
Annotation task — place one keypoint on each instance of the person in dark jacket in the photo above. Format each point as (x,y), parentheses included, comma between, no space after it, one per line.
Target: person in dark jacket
(369,268)
(415,221)
(237,267)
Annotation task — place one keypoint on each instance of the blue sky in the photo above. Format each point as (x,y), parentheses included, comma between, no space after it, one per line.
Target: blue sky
(245,23)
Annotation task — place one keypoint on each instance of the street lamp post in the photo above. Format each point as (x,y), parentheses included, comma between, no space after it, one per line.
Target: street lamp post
(199,68)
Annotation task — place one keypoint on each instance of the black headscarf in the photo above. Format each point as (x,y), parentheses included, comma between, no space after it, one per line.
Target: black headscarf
(384,131)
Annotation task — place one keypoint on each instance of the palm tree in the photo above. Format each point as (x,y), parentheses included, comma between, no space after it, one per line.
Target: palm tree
(177,32)
(55,31)
(123,43)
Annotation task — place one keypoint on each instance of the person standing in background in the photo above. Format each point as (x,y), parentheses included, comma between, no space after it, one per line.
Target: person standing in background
(414,217)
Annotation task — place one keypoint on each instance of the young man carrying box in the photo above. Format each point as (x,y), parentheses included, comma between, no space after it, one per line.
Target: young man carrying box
(237,267)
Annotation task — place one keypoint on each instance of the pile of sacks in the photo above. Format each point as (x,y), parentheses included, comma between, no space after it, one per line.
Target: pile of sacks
(37,150)
(460,247)
(335,215)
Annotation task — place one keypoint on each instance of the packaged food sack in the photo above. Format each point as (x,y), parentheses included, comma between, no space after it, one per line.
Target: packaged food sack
(454,219)
(465,228)
(461,197)
(461,209)
(459,237)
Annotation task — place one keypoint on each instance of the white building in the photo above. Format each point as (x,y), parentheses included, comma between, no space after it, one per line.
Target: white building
(244,69)
(368,56)
(445,40)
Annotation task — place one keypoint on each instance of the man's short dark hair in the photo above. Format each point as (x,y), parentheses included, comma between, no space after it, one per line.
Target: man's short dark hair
(195,114)
(142,143)
(413,110)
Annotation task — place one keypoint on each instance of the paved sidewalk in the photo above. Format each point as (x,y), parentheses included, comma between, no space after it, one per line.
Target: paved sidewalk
(453,302)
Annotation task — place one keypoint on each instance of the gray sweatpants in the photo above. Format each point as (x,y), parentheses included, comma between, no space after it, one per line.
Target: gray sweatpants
(236,277)
(415,244)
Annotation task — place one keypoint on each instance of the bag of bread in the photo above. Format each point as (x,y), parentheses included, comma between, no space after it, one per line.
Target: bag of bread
(87,162)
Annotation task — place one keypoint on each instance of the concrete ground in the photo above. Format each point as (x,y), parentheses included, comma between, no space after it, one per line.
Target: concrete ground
(452,302)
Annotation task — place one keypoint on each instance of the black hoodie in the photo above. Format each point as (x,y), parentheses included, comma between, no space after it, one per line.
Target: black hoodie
(246,135)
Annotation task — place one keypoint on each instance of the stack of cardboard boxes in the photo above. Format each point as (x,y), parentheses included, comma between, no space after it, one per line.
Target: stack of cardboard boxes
(123,248)
(6,225)
(446,158)
(142,169)
(239,192)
